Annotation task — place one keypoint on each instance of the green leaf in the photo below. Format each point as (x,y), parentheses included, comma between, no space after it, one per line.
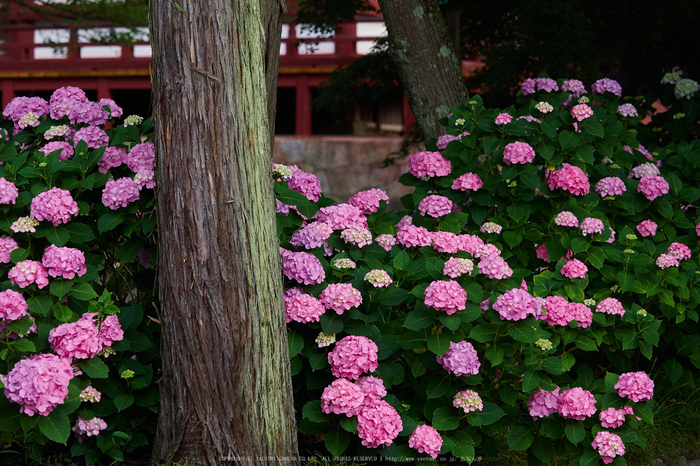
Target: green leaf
(444,420)
(128,251)
(520,438)
(530,381)
(575,432)
(57,235)
(331,323)
(109,221)
(60,287)
(62,312)
(451,321)
(586,344)
(554,366)
(438,343)
(610,381)
(79,232)
(542,449)
(522,332)
(82,292)
(40,304)
(95,368)
(312,411)
(464,445)
(482,334)
(674,370)
(56,426)
(401,261)
(418,319)
(393,296)
(18,255)
(494,354)
(295,342)
(589,459)
(567,139)
(337,441)
(488,415)
(24,345)
(579,245)
(593,127)
(626,280)
(318,361)
(512,238)
(123,401)
(644,411)
(437,387)
(490,144)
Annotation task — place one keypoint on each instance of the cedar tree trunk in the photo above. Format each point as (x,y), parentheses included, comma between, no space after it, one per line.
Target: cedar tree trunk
(226,394)
(423,53)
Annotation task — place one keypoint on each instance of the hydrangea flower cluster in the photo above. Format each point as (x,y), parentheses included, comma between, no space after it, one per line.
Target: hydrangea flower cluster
(66,149)
(368,201)
(64,262)
(469,181)
(39,383)
(88,428)
(309,237)
(468,401)
(445,139)
(665,261)
(306,184)
(610,306)
(372,387)
(612,418)
(303,308)
(353,356)
(679,251)
(55,205)
(607,85)
(576,403)
(566,219)
(503,119)
(446,295)
(590,226)
(647,228)
(93,136)
(609,446)
(378,278)
(89,113)
(686,88)
(413,236)
(637,386)
(627,110)
(495,267)
(77,340)
(302,267)
(435,206)
(141,157)
(455,267)
(652,186)
(378,424)
(544,107)
(324,339)
(386,241)
(573,86)
(90,394)
(13,306)
(7,245)
(569,178)
(26,272)
(8,192)
(24,225)
(341,297)
(516,304)
(581,112)
(59,131)
(574,269)
(428,164)
(64,99)
(359,236)
(543,403)
(460,359)
(342,397)
(518,152)
(491,227)
(342,216)
(425,439)
(642,170)
(541,84)
(120,193)
(344,263)
(610,186)
(112,158)
(558,311)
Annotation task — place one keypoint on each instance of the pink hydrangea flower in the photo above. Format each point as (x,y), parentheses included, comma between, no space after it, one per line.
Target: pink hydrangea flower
(610,186)
(306,184)
(455,267)
(341,297)
(90,394)
(652,186)
(566,219)
(7,245)
(302,267)
(27,272)
(495,267)
(581,313)
(93,136)
(460,359)
(541,252)
(353,356)
(372,387)
(569,178)
(573,86)
(607,85)
(543,403)
(515,304)
(697,229)
(468,401)
(114,109)
(608,445)
(627,110)
(610,306)
(428,164)
(576,403)
(581,112)
(591,225)
(21,106)
(141,157)
(574,269)
(425,439)
(469,181)
(55,205)
(78,340)
(665,261)
(308,237)
(446,295)
(503,119)
(413,236)
(88,428)
(637,386)
(342,397)
(109,330)
(13,306)
(378,278)
(642,170)
(64,99)
(679,251)
(445,139)
(446,241)
(8,192)
(66,149)
(378,424)
(557,311)
(529,118)
(342,216)
(120,193)
(39,383)
(368,201)
(112,158)
(386,241)
(470,243)
(518,152)
(64,262)
(491,227)
(359,236)
(612,418)
(646,228)
(89,113)
(435,206)
(303,308)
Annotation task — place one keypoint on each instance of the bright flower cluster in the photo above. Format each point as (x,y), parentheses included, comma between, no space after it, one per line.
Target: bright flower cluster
(460,359)
(55,205)
(39,383)
(445,295)
(353,356)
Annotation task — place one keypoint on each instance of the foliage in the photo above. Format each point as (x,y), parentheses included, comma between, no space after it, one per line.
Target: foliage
(119,279)
(657,334)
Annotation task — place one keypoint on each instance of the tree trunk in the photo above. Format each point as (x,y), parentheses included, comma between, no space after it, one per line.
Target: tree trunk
(226,394)
(423,53)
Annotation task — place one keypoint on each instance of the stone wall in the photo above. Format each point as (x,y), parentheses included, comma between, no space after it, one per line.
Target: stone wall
(346,164)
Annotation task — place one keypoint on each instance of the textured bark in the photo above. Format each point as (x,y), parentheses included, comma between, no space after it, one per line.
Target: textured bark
(424,55)
(226,394)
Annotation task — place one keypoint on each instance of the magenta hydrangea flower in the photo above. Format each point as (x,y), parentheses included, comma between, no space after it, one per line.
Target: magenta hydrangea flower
(446,295)
(120,193)
(653,186)
(503,119)
(378,424)
(445,139)
(109,330)
(608,445)
(569,178)
(64,262)
(112,158)
(627,110)
(359,236)
(566,219)
(446,241)
(55,205)
(368,201)
(637,386)
(529,118)
(64,99)
(470,243)
(591,225)
(679,251)
(27,272)
(311,236)
(468,401)
(528,86)
(88,428)
(306,184)
(89,113)
(642,170)
(557,310)
(574,269)
(13,306)
(573,86)
(581,112)
(90,394)
(21,106)
(460,359)
(302,267)
(59,131)
(495,267)
(341,297)
(518,152)
(436,206)
(425,439)
(413,236)
(372,387)
(386,241)
(647,228)
(612,418)
(93,136)
(542,253)
(78,340)
(342,216)
(455,267)
(303,308)
(7,245)
(610,306)
(428,164)
(66,149)
(665,261)
(8,192)
(141,157)
(543,403)
(378,278)
(607,85)
(515,304)
(39,383)
(576,403)
(342,397)
(469,181)
(114,109)
(610,186)
(353,356)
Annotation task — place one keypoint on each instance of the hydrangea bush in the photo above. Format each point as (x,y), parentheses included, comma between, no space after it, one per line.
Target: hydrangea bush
(544,268)
(76,243)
